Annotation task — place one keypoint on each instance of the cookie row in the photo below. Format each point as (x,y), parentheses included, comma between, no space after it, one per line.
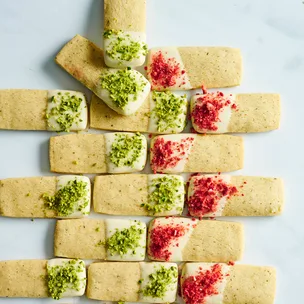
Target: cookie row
(69,196)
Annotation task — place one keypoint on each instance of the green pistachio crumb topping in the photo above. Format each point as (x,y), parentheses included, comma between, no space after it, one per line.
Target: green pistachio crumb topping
(121,302)
(165,194)
(123,86)
(123,47)
(66,199)
(126,149)
(159,282)
(97,229)
(28,194)
(168,110)
(62,277)
(66,111)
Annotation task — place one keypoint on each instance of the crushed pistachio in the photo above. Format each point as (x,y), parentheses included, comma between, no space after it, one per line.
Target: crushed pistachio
(66,199)
(28,194)
(75,162)
(165,194)
(121,302)
(97,229)
(123,86)
(66,111)
(62,277)
(168,110)
(160,281)
(126,149)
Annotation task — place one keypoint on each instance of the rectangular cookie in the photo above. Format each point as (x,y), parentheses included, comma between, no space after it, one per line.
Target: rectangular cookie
(133,282)
(226,195)
(139,194)
(195,153)
(123,90)
(222,283)
(161,113)
(43,110)
(98,153)
(184,239)
(45,197)
(235,113)
(186,68)
(111,239)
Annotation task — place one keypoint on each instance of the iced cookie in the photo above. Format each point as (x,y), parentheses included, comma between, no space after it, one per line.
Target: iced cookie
(161,113)
(98,153)
(184,239)
(110,239)
(53,110)
(226,195)
(139,194)
(123,90)
(221,283)
(194,153)
(133,282)
(67,196)
(234,113)
(186,68)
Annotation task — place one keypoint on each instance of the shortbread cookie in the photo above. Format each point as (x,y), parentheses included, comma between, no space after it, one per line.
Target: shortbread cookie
(124,91)
(98,153)
(139,194)
(194,153)
(221,283)
(186,68)
(161,113)
(133,282)
(53,110)
(235,113)
(45,197)
(183,239)
(124,35)
(111,239)
(226,195)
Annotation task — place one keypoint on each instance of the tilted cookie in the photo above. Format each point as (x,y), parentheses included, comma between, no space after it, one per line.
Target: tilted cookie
(234,113)
(52,110)
(221,283)
(226,195)
(67,196)
(194,153)
(56,278)
(161,113)
(124,91)
(110,239)
(124,37)
(184,239)
(98,153)
(186,68)
(133,282)
(139,194)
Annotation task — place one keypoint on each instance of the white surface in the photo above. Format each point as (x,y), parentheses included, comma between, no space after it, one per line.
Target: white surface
(270,34)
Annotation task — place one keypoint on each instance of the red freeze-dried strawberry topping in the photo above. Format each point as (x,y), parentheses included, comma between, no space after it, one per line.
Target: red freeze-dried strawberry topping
(164,71)
(161,238)
(207,193)
(196,288)
(167,153)
(205,113)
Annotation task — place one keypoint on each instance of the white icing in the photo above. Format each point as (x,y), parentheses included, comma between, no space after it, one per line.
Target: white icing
(70,292)
(192,269)
(224,115)
(176,251)
(222,202)
(127,36)
(138,165)
(112,225)
(182,82)
(79,124)
(134,103)
(179,203)
(178,139)
(154,119)
(63,180)
(149,268)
